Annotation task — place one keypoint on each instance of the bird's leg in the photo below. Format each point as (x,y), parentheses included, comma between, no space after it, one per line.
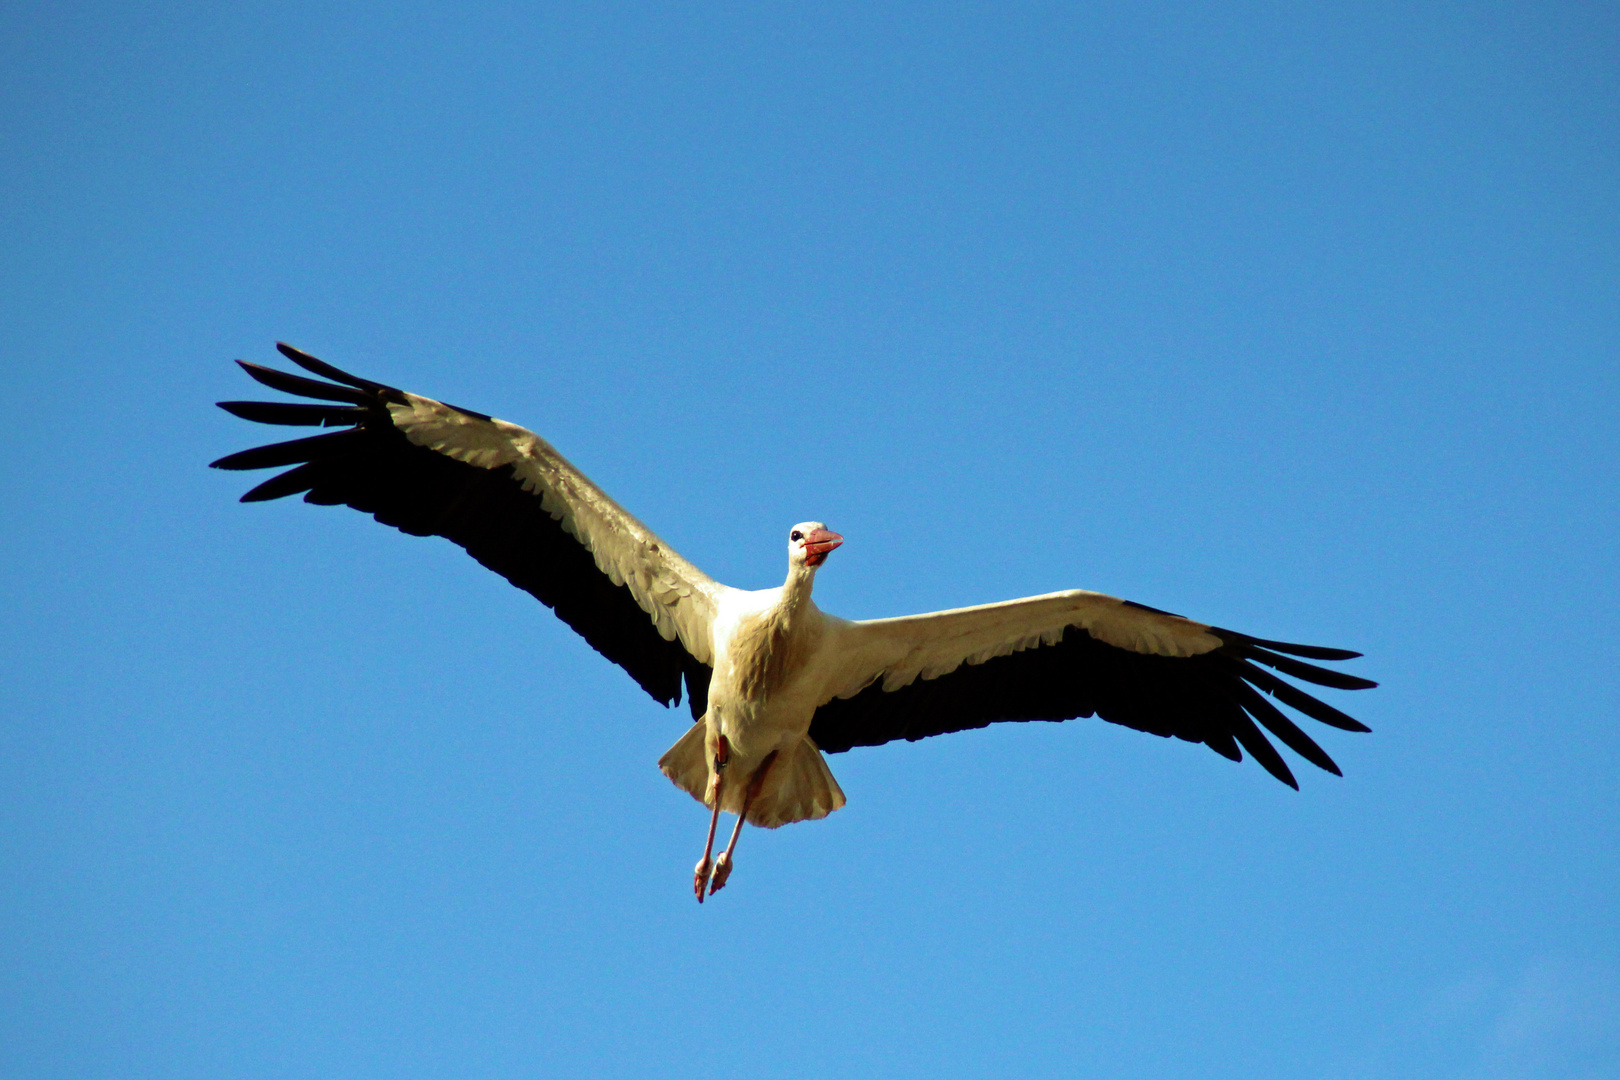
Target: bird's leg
(722,866)
(700,876)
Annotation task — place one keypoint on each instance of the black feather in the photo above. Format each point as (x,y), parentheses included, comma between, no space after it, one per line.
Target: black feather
(293,451)
(1294,697)
(1310,652)
(1220,740)
(297,384)
(279,412)
(281,485)
(322,368)
(1309,672)
(1284,728)
(1260,748)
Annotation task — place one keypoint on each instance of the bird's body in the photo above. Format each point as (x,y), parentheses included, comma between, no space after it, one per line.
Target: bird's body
(771,649)
(773,681)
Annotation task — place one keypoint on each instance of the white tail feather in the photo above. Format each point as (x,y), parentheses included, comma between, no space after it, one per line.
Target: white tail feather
(687,763)
(799,786)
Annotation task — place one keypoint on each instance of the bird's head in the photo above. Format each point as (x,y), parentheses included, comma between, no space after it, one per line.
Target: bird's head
(809,543)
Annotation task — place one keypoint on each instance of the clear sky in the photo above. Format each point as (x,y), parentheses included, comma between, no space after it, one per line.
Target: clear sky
(1296,320)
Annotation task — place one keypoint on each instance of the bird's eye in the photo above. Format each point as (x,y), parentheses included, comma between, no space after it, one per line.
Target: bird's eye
(796,535)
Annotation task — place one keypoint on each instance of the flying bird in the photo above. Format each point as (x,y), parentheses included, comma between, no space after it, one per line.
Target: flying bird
(773,683)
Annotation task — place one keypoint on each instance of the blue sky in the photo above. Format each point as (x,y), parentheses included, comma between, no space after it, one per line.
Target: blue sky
(1303,322)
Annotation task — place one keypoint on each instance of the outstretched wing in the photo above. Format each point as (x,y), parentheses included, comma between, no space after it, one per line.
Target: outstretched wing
(1074,654)
(507,497)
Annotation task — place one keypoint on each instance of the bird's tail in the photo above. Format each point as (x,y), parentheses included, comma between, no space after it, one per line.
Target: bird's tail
(687,763)
(798,787)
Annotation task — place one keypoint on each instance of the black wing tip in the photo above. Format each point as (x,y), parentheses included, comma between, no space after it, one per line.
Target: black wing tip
(295,414)
(1345,723)
(1277,766)
(1292,696)
(1299,669)
(303,386)
(292,452)
(258,495)
(1347,682)
(260,371)
(320,367)
(1310,652)
(1272,719)
(238,462)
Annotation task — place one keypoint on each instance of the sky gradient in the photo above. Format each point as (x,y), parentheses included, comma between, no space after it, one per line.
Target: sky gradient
(1304,323)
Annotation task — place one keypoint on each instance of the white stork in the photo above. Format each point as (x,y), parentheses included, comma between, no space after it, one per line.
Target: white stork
(773,682)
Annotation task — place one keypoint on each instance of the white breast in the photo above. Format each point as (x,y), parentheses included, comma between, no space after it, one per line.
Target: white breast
(766,684)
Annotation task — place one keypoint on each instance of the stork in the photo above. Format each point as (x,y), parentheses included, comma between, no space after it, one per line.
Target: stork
(773,682)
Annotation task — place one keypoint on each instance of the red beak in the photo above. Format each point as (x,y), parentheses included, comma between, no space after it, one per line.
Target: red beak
(817,543)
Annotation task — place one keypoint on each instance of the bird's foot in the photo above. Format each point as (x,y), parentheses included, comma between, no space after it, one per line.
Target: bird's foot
(700,877)
(722,870)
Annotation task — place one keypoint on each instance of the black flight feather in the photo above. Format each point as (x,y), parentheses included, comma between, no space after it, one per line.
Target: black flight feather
(1293,696)
(1310,652)
(1309,672)
(293,451)
(281,485)
(1272,719)
(297,384)
(325,370)
(1259,748)
(280,412)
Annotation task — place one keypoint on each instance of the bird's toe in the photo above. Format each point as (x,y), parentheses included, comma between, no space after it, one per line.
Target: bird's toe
(722,871)
(700,878)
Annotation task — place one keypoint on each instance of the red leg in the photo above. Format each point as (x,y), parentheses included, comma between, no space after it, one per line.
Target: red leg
(700,876)
(722,868)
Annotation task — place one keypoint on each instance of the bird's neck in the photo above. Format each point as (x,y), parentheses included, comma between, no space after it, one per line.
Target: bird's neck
(796,590)
(766,647)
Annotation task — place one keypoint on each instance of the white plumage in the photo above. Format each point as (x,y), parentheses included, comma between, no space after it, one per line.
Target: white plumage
(773,680)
